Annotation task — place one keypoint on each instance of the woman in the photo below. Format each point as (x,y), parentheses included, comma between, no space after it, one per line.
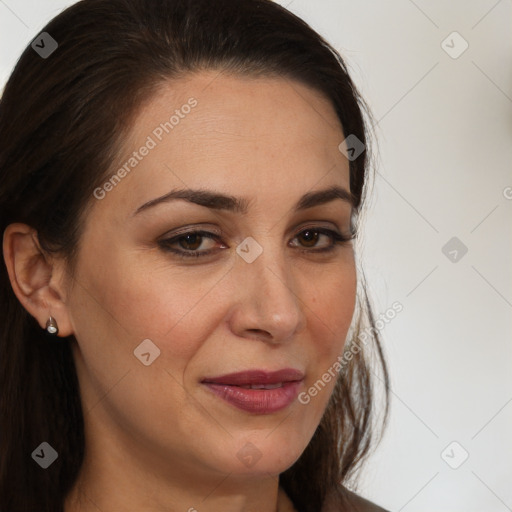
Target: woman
(180,183)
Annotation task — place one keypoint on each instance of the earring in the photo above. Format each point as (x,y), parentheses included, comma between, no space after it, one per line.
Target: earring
(51,326)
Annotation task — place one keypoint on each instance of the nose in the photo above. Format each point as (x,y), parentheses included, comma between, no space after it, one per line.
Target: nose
(266,302)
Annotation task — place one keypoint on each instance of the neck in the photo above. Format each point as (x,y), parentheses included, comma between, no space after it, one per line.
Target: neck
(284,504)
(118,475)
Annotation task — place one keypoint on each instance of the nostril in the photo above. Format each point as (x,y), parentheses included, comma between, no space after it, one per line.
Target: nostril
(260,332)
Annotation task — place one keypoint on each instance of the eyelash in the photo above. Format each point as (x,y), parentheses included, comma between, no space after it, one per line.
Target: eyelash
(335,237)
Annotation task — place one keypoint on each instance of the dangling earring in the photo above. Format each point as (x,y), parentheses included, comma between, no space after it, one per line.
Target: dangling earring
(51,326)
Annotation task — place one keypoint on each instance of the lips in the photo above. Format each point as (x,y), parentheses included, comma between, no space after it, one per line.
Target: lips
(257,378)
(257,391)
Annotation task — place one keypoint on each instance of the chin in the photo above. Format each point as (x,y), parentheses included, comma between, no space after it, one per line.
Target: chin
(264,452)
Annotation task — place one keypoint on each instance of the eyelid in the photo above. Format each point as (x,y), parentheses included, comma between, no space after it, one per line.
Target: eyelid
(338,238)
(319,224)
(212,230)
(166,241)
(191,229)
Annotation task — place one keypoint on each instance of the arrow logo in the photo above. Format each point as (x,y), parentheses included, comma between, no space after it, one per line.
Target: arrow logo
(454,250)
(44,45)
(454,45)
(147,352)
(248,249)
(249,455)
(44,455)
(351,147)
(454,455)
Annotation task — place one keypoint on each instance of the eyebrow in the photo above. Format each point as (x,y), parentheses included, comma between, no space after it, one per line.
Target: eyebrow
(218,201)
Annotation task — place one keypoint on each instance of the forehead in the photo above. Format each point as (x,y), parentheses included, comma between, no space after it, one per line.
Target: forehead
(241,110)
(234,133)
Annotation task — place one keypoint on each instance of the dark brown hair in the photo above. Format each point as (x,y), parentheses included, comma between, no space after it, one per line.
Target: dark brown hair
(62,124)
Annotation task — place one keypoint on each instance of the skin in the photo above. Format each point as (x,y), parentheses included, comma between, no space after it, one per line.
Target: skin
(156,438)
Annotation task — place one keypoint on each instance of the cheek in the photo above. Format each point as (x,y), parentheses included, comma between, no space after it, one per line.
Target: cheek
(137,303)
(177,309)
(330,306)
(330,309)
(130,305)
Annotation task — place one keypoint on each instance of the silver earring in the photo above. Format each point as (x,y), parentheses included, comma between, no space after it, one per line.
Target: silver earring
(51,326)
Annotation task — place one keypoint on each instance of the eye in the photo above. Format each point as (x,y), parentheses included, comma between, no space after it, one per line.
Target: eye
(187,244)
(310,237)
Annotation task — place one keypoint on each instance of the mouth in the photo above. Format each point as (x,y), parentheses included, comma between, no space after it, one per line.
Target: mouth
(262,386)
(257,391)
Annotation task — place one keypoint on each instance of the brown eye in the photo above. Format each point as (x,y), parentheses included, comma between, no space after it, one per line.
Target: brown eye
(192,241)
(310,237)
(187,244)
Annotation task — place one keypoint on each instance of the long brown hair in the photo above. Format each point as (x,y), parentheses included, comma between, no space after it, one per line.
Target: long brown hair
(62,122)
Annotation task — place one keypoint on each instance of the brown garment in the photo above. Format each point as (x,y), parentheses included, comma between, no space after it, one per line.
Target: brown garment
(351,503)
(354,503)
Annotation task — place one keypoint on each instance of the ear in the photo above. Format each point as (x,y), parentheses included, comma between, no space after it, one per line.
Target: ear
(37,278)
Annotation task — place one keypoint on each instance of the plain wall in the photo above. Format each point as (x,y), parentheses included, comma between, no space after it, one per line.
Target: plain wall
(444,127)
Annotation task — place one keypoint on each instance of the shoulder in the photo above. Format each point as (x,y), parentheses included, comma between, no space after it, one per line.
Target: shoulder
(360,504)
(343,500)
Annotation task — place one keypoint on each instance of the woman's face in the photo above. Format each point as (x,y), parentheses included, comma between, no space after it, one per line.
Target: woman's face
(161,332)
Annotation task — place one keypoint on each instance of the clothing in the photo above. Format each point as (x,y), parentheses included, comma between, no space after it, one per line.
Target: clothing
(356,504)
